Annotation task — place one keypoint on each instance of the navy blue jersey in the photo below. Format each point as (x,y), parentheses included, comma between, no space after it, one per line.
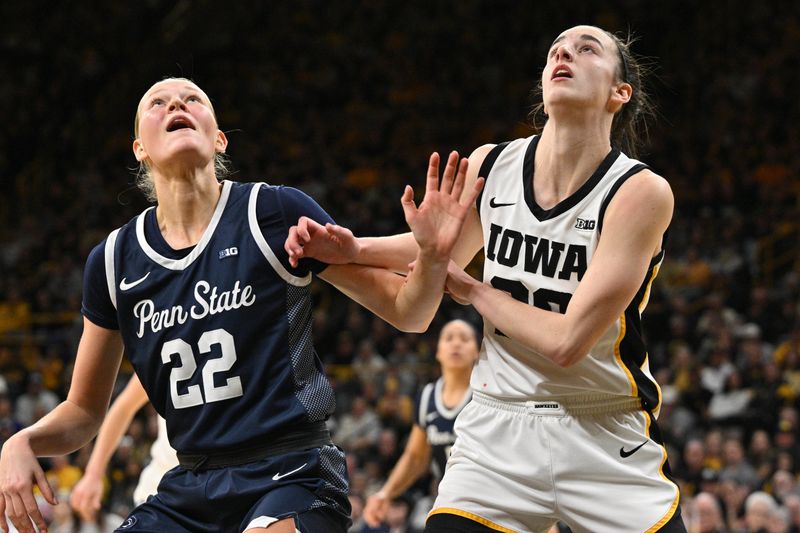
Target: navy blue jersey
(437,421)
(220,337)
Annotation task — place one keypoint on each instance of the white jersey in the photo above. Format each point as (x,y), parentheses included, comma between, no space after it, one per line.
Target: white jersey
(539,256)
(162,458)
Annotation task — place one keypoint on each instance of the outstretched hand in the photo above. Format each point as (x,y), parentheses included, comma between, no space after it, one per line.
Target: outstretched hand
(436,224)
(330,243)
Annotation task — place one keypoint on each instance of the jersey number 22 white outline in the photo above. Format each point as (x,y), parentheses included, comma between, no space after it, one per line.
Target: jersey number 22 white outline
(212,393)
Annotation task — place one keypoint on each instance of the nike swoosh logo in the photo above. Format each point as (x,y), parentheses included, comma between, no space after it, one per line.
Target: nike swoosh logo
(278,476)
(623,453)
(492,203)
(124,285)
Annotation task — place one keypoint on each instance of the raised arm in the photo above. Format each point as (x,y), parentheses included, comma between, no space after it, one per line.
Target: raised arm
(88,493)
(410,303)
(414,462)
(633,227)
(68,427)
(336,245)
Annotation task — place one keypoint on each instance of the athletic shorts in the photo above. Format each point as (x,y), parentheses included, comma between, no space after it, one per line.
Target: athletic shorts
(595,463)
(309,485)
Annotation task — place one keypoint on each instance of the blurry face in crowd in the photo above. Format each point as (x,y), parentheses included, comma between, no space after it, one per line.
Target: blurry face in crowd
(582,70)
(458,347)
(175,123)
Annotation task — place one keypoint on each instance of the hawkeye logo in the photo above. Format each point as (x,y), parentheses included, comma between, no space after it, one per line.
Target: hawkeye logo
(585,224)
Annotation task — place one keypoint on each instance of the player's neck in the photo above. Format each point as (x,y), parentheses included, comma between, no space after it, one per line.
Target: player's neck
(456,384)
(185,207)
(568,153)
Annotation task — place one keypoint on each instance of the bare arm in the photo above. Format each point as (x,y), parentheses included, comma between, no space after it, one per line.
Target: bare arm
(634,224)
(65,429)
(409,304)
(414,462)
(336,245)
(87,494)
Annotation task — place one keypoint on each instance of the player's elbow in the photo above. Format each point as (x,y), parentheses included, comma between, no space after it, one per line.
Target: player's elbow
(412,326)
(567,354)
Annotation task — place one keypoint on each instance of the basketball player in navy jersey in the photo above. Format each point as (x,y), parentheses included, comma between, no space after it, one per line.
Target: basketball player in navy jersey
(217,325)
(562,425)
(438,405)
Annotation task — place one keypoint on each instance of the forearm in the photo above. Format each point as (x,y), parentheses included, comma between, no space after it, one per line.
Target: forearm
(65,429)
(407,303)
(393,253)
(420,296)
(111,432)
(545,333)
(407,470)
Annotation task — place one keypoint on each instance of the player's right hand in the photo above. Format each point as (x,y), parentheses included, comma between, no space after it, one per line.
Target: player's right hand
(86,497)
(332,244)
(19,471)
(375,509)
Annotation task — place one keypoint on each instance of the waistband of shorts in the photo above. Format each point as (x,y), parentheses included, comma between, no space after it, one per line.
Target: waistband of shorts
(583,405)
(295,438)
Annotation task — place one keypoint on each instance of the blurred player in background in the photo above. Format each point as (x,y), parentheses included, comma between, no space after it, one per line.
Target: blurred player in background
(439,403)
(87,495)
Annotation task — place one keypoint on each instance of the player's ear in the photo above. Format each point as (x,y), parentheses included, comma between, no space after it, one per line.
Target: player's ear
(620,95)
(221,142)
(139,151)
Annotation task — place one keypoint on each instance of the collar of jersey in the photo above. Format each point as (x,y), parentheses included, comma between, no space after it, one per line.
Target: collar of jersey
(182,263)
(439,401)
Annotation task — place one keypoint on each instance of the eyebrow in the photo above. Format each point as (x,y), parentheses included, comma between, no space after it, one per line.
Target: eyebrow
(585,37)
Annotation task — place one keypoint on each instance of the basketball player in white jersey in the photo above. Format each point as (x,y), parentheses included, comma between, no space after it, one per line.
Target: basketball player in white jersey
(438,405)
(88,493)
(562,421)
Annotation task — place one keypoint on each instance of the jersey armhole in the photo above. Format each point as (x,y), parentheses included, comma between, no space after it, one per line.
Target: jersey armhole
(607,200)
(108,253)
(613,190)
(263,245)
(486,168)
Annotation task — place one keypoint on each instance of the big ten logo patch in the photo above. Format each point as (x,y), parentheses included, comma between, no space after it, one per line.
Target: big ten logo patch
(585,224)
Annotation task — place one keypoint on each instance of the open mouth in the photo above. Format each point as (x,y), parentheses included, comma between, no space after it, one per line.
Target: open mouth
(561,72)
(179,123)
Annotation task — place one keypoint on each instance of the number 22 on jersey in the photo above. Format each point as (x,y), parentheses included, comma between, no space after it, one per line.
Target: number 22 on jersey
(212,393)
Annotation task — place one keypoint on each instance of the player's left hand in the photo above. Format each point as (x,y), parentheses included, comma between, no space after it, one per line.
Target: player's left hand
(332,244)
(437,223)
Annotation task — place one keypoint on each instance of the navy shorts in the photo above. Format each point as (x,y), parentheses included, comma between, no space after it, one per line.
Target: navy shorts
(309,485)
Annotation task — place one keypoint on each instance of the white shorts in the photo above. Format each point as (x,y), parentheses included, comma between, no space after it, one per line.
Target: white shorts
(148,481)
(589,462)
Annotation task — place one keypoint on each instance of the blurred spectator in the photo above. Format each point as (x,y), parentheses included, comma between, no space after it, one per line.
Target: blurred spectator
(760,509)
(358,429)
(35,402)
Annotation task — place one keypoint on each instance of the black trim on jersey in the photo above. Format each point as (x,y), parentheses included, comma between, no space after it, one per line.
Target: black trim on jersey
(614,188)
(632,348)
(569,202)
(486,167)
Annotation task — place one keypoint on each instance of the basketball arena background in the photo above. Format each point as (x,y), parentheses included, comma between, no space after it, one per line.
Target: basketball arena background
(345,100)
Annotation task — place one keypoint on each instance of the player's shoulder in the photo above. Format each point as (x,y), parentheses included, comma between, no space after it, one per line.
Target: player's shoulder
(647,185)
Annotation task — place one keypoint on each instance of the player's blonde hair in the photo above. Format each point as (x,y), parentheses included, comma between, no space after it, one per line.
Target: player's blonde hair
(144,180)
